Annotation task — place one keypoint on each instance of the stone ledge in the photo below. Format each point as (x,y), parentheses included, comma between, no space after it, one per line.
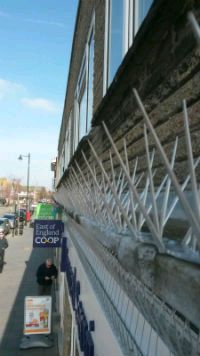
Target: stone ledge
(174,281)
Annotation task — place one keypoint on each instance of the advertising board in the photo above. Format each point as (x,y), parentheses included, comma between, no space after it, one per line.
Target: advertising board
(37,315)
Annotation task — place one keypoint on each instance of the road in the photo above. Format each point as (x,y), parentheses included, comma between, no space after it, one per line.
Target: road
(5,209)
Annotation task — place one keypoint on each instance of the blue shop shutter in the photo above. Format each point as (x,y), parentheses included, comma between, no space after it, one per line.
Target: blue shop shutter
(89,345)
(74,289)
(83,331)
(79,317)
(78,289)
(63,263)
(91,325)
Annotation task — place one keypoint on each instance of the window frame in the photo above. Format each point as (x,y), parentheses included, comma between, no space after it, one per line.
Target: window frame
(90,37)
(83,81)
(107,39)
(68,139)
(130,28)
(73,124)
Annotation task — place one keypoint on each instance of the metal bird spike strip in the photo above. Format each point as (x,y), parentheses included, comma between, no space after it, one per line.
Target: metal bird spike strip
(195,26)
(128,201)
(191,213)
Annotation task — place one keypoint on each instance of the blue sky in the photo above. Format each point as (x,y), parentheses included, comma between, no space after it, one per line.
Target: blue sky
(35,47)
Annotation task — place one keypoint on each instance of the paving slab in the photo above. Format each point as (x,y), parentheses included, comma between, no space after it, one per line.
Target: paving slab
(18,281)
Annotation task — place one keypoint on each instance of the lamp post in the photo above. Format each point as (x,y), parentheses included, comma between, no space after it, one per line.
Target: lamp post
(28,178)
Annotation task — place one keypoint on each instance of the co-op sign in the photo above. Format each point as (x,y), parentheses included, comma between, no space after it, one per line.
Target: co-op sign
(47,233)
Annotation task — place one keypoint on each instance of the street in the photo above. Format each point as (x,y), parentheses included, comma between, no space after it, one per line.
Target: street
(6,209)
(17,281)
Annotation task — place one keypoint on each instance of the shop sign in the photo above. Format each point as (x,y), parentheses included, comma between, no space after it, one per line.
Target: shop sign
(47,233)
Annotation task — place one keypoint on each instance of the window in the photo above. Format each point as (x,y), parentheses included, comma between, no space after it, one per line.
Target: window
(61,163)
(68,142)
(143,8)
(75,132)
(84,92)
(83,114)
(116,36)
(81,108)
(90,79)
(123,19)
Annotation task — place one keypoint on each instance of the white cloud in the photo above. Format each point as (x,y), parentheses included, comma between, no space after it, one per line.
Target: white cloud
(49,23)
(42,22)
(8,88)
(40,104)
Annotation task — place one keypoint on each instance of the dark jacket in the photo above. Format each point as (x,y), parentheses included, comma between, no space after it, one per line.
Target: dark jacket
(3,246)
(3,243)
(43,272)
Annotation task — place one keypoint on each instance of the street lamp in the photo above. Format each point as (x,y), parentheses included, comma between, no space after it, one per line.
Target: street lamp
(28,177)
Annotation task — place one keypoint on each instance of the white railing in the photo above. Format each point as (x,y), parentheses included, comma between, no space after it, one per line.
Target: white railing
(195,26)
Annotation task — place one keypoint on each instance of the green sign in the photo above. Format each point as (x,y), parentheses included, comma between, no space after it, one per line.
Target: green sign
(45,212)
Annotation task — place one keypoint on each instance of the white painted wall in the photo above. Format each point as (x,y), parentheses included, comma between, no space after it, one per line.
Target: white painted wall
(104,340)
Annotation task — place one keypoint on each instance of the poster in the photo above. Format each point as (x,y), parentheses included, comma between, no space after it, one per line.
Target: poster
(37,315)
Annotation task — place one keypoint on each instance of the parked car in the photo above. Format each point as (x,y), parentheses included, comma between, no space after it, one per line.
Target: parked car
(4,226)
(13,220)
(8,227)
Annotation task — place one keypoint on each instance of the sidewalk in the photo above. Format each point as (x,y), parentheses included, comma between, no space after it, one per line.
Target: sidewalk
(17,281)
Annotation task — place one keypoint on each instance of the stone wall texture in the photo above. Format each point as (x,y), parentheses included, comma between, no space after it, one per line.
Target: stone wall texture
(162,64)
(84,17)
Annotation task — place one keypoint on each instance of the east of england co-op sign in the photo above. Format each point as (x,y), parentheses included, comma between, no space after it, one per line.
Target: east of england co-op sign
(47,233)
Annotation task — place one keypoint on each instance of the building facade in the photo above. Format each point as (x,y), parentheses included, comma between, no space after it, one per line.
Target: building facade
(127,179)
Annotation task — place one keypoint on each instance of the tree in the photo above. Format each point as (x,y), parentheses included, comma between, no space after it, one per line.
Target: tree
(9,188)
(43,193)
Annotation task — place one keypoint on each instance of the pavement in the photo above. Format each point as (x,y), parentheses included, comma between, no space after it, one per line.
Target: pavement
(17,281)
